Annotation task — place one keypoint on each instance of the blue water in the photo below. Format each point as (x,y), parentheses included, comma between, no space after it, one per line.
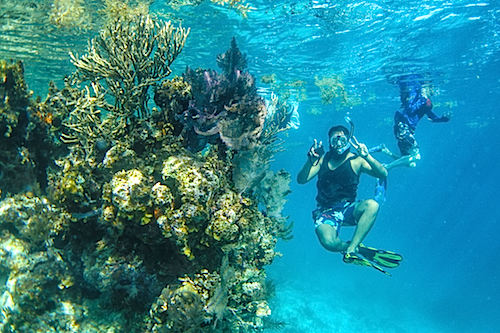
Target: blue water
(442,216)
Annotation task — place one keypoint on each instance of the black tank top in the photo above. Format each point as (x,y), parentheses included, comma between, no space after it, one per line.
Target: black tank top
(336,185)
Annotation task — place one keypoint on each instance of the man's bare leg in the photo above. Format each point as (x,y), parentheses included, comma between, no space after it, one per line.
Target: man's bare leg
(365,213)
(406,160)
(329,239)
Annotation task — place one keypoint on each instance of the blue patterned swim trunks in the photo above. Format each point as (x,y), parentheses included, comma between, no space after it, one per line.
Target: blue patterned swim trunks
(340,213)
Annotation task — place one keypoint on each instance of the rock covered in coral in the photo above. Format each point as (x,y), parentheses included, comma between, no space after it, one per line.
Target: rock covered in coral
(143,227)
(13,98)
(34,274)
(119,157)
(75,187)
(24,134)
(129,191)
(228,216)
(194,181)
(172,90)
(26,216)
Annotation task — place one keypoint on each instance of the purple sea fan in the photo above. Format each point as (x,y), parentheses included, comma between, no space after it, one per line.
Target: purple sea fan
(224,106)
(232,62)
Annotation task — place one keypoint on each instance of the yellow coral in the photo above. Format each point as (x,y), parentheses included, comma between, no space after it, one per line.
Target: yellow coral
(333,88)
(175,88)
(196,183)
(70,187)
(69,14)
(239,5)
(130,193)
(187,252)
(108,213)
(124,9)
(268,79)
(227,214)
(66,282)
(263,310)
(125,185)
(203,283)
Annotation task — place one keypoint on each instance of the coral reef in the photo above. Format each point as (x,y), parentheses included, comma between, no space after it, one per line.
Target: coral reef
(286,89)
(13,97)
(130,56)
(66,14)
(240,6)
(333,89)
(124,9)
(24,134)
(222,108)
(153,219)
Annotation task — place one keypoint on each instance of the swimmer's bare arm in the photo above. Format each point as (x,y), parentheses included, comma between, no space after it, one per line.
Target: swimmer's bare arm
(368,164)
(313,163)
(373,167)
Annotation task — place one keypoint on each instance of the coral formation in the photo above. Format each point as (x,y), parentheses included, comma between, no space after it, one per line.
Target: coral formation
(24,134)
(152,219)
(124,9)
(333,89)
(130,56)
(13,97)
(286,89)
(223,108)
(66,14)
(238,5)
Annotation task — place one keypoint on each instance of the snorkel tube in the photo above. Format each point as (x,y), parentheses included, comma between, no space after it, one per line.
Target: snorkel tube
(351,129)
(352,138)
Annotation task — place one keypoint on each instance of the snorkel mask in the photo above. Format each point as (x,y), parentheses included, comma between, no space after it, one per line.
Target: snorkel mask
(339,144)
(339,140)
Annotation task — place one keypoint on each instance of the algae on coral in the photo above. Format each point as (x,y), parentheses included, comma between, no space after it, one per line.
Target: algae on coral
(139,229)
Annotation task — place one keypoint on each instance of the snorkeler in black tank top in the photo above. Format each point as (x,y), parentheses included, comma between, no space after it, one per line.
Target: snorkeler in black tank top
(338,177)
(339,184)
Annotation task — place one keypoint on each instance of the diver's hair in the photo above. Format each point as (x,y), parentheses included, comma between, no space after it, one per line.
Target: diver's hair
(338,128)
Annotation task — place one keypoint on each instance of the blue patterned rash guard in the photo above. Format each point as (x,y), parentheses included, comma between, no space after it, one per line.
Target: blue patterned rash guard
(414,106)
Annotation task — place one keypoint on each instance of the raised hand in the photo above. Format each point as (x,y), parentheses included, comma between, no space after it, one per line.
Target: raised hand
(315,152)
(361,148)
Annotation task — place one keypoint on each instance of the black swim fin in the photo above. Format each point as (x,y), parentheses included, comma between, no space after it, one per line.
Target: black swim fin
(383,258)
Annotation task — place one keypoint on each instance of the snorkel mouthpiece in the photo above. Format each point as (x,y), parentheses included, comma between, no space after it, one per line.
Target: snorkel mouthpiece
(342,150)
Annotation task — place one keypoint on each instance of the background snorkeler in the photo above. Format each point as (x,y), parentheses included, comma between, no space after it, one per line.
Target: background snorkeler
(415,104)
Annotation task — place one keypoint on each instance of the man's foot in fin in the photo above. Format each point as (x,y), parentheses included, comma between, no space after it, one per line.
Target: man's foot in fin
(384,258)
(356,259)
(380,189)
(378,148)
